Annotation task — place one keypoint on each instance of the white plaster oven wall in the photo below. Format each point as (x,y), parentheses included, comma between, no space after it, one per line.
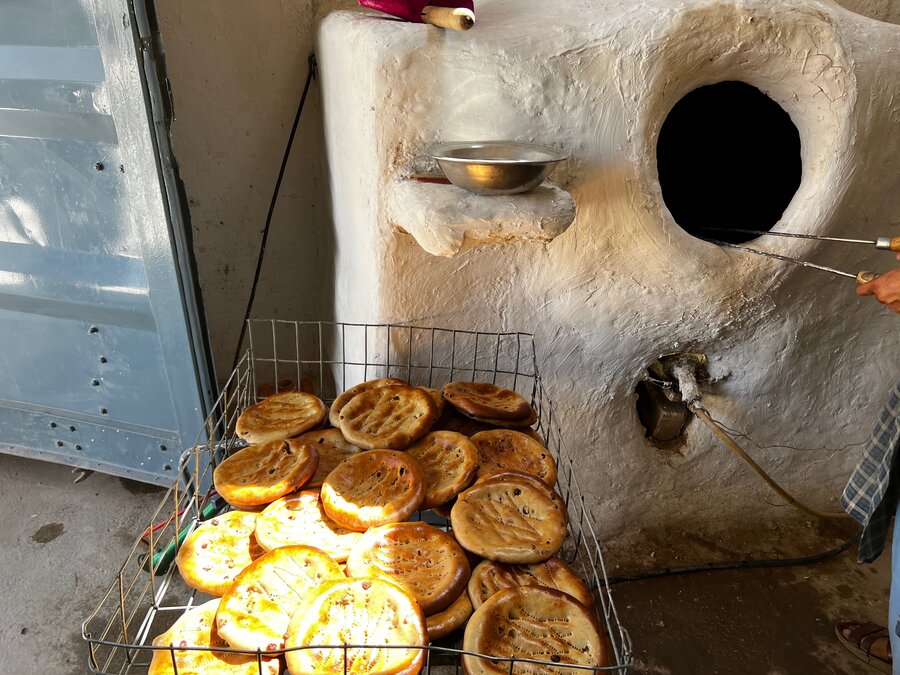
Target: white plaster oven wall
(803,361)
(881,10)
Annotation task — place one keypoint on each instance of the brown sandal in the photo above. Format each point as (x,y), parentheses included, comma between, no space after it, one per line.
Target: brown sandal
(859,639)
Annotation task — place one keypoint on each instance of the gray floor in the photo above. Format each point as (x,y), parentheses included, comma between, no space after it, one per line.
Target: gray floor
(63,543)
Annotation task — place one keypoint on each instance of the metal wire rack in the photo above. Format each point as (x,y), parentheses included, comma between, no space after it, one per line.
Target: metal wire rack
(148,595)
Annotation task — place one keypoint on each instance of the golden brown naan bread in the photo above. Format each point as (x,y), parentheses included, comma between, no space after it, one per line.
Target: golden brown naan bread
(449,461)
(281,415)
(217,551)
(531,480)
(424,561)
(443,623)
(357,611)
(534,622)
(453,420)
(260,474)
(300,519)
(438,399)
(507,450)
(256,610)
(532,433)
(391,417)
(486,400)
(519,424)
(343,399)
(510,520)
(196,628)
(488,577)
(373,488)
(333,449)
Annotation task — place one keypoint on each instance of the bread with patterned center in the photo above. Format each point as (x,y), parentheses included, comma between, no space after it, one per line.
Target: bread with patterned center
(260,474)
(488,577)
(217,551)
(507,450)
(449,461)
(486,400)
(443,623)
(333,449)
(343,399)
(197,628)
(530,480)
(256,610)
(361,612)
(424,561)
(300,518)
(391,417)
(533,622)
(511,520)
(373,488)
(279,416)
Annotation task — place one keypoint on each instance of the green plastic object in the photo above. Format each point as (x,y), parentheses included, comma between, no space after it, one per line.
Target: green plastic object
(161,560)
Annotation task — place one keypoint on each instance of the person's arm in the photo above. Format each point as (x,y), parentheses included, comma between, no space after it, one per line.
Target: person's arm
(885,288)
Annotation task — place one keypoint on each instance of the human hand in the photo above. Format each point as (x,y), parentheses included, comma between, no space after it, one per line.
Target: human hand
(886,288)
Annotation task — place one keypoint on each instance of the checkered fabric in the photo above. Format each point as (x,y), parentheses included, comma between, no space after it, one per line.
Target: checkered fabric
(871,495)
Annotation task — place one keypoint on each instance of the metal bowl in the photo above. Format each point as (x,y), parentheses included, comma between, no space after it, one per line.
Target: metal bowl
(496,167)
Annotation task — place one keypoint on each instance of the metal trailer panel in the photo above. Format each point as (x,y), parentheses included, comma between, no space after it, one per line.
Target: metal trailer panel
(103,356)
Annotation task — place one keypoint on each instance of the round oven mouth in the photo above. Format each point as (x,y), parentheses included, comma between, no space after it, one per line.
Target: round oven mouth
(728,161)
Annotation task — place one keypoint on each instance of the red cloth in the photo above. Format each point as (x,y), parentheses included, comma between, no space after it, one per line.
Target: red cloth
(411,10)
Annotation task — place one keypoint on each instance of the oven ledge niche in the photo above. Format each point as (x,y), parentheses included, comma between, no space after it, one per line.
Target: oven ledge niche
(445,219)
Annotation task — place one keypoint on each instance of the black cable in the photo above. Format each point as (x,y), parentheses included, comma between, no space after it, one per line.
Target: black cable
(310,76)
(737,564)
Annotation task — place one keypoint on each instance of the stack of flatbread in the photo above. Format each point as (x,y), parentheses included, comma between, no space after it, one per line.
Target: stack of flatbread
(320,549)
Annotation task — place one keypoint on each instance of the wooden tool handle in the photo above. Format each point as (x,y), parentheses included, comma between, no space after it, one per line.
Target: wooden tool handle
(455,18)
(888,244)
(865,277)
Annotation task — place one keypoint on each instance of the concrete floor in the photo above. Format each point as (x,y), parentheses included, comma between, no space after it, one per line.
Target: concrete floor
(63,543)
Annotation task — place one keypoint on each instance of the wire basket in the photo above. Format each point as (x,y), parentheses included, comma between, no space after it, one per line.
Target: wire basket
(148,595)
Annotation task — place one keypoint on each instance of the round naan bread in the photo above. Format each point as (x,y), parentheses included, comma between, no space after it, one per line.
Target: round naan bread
(333,449)
(217,551)
(373,488)
(260,474)
(362,612)
(507,450)
(256,610)
(279,416)
(196,628)
(488,577)
(510,520)
(334,412)
(449,461)
(443,623)
(424,561)
(300,519)
(391,417)
(486,400)
(533,622)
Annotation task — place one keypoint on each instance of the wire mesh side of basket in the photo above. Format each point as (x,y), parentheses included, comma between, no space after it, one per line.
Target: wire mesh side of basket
(327,358)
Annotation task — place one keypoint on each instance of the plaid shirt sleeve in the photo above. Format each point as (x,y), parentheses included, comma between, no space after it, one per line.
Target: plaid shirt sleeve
(871,494)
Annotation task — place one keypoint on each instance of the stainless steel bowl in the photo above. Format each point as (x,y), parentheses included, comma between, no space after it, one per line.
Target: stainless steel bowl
(496,167)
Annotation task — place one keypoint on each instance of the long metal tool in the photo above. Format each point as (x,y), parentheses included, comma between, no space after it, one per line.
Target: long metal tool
(883,243)
(861,277)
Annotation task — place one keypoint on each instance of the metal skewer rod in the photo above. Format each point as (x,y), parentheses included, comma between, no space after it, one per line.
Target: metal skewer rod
(884,243)
(862,277)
